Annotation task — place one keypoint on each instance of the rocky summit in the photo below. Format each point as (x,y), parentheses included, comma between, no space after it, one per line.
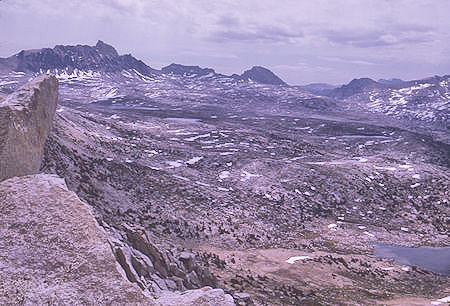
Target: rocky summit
(215,189)
(262,75)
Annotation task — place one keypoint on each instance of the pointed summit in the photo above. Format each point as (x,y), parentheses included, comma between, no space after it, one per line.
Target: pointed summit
(106,49)
(262,75)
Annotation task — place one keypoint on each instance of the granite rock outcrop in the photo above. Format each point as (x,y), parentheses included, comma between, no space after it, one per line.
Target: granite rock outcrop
(53,251)
(26,118)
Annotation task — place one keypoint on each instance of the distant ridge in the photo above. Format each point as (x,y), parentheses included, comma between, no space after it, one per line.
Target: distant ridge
(183,70)
(322,89)
(101,57)
(354,87)
(256,74)
(391,81)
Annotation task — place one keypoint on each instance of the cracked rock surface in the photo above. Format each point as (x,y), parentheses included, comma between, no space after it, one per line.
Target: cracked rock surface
(26,118)
(53,251)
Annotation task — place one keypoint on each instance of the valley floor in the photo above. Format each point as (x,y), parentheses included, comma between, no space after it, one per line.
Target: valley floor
(280,208)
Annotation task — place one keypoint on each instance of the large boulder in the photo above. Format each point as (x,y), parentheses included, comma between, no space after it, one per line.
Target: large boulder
(26,118)
(53,251)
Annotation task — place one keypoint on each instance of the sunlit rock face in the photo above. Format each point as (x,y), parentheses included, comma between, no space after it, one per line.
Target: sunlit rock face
(53,250)
(26,118)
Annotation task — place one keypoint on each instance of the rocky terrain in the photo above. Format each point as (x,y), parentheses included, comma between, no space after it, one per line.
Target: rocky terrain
(244,183)
(54,251)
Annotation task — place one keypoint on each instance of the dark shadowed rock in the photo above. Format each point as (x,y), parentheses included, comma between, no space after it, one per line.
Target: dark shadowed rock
(25,121)
(354,87)
(154,269)
(101,57)
(106,49)
(178,69)
(262,75)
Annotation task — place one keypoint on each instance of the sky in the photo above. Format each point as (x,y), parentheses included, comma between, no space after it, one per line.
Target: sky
(302,41)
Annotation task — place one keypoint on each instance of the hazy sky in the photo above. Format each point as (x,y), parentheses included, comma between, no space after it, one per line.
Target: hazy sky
(302,41)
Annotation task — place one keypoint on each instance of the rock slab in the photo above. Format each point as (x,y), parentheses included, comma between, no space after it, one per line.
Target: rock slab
(26,118)
(53,251)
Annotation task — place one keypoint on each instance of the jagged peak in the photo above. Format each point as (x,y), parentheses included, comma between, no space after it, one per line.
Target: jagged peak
(100,43)
(106,49)
(100,57)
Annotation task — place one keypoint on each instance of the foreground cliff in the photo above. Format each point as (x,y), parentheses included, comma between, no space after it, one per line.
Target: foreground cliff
(25,120)
(53,252)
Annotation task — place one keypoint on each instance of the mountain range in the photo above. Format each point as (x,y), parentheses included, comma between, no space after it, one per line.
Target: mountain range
(104,58)
(101,57)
